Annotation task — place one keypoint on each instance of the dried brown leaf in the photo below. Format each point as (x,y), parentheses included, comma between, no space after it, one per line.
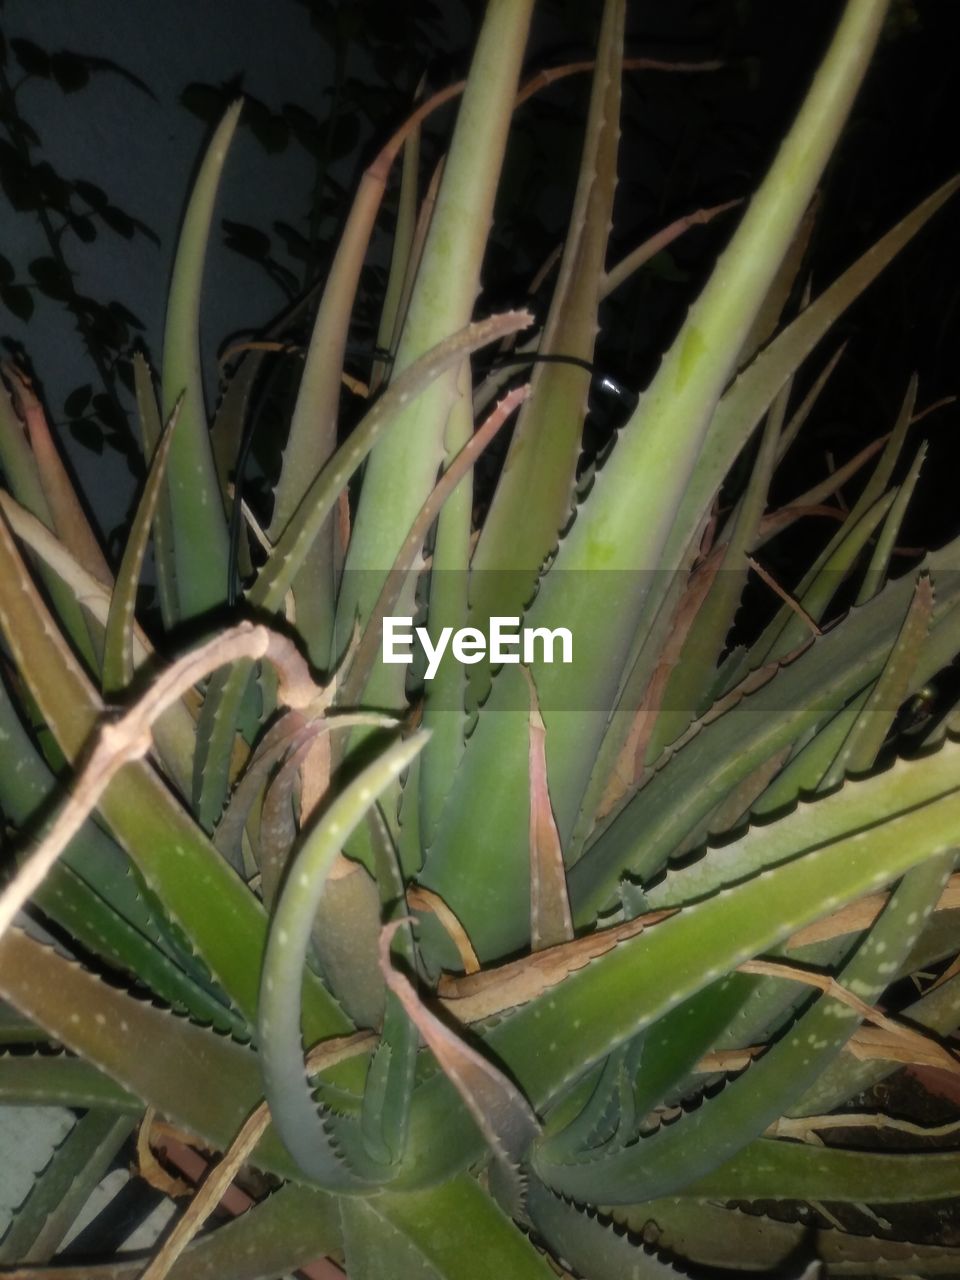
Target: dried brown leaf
(482,995)
(420,899)
(550,921)
(502,1113)
(897,1038)
(628,771)
(149,1167)
(860,915)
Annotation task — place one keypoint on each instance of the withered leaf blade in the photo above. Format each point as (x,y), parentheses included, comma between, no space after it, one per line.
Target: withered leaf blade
(476,996)
(502,1113)
(550,919)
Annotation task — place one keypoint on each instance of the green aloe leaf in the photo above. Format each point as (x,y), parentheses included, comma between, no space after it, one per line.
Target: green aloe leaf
(622,992)
(772,1170)
(66,898)
(454,1230)
(492,759)
(691,677)
(518,534)
(292,1227)
(306,1134)
(363,660)
(627,522)
(871,800)
(151,433)
(174,731)
(98,896)
(789,630)
(394,309)
(23,478)
(753,391)
(118,638)
(676,1154)
(878,569)
(594,1248)
(63,1187)
(225,692)
(27,784)
(829,569)
(938,1010)
(380,422)
(226,924)
(713,1235)
(197,520)
(402,469)
(369,1238)
(489,893)
(16,1029)
(865,739)
(202,1080)
(800,696)
(389,1087)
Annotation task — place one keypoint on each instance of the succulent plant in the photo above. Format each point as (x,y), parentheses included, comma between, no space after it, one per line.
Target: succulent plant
(477,961)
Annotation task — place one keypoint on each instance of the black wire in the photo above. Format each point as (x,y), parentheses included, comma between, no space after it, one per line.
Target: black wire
(605,382)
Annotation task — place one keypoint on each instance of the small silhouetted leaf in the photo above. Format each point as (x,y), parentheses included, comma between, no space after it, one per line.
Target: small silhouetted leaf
(109,412)
(27,132)
(283,276)
(55,190)
(205,101)
(88,434)
(70,71)
(34,60)
(7,272)
(77,401)
(346,135)
(145,230)
(304,127)
(9,156)
(106,329)
(17,179)
(271,131)
(247,240)
(297,245)
(83,227)
(101,65)
(18,299)
(124,371)
(95,196)
(118,221)
(51,278)
(125,315)
(102,326)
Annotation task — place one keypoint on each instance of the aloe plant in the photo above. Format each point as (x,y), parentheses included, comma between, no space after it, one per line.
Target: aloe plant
(479,961)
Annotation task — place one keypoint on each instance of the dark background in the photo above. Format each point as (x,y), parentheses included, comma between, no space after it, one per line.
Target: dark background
(130,105)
